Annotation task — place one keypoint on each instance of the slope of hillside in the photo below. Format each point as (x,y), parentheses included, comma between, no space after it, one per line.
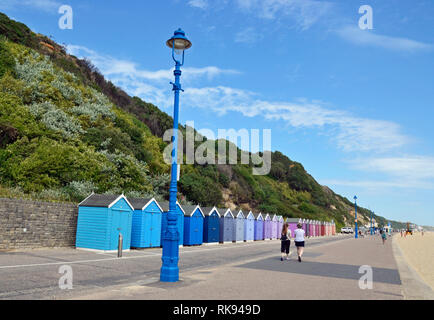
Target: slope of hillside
(65,131)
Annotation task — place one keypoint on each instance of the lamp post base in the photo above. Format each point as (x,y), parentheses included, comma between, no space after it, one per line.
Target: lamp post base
(169,274)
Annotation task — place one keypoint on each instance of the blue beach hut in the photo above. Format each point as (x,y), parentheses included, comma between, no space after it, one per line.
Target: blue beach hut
(227,225)
(238,235)
(211,225)
(259,227)
(101,218)
(179,221)
(193,225)
(249,227)
(146,225)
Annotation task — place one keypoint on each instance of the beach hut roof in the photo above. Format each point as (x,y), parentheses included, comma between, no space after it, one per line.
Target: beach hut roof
(240,213)
(142,203)
(207,211)
(274,218)
(224,212)
(250,214)
(257,215)
(103,200)
(267,216)
(165,206)
(189,210)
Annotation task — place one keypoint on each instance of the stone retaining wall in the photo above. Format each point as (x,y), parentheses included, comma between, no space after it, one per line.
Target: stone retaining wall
(34,224)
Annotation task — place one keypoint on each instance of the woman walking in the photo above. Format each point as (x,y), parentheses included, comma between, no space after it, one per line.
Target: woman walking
(383,236)
(285,238)
(299,240)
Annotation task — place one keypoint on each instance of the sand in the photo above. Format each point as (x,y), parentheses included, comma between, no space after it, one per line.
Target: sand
(418,251)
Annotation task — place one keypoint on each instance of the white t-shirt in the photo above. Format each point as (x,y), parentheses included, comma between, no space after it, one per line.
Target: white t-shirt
(299,235)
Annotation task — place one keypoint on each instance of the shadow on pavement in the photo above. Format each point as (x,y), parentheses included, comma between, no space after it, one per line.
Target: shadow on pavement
(322,269)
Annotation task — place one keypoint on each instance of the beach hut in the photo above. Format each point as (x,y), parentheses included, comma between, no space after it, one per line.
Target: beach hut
(249,227)
(238,235)
(267,227)
(307,228)
(317,228)
(193,225)
(274,223)
(322,224)
(101,219)
(259,226)
(292,224)
(179,220)
(227,225)
(303,223)
(279,226)
(211,225)
(146,223)
(312,228)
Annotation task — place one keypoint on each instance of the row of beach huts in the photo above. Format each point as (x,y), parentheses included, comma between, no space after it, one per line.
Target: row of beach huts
(141,222)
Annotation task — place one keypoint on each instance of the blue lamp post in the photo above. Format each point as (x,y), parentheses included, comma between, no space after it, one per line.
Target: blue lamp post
(372,226)
(169,270)
(356,230)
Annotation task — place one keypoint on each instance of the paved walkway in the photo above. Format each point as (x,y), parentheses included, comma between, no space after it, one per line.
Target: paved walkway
(328,271)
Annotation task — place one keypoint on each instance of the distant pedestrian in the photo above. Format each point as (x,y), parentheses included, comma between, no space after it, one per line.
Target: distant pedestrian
(299,240)
(285,241)
(383,236)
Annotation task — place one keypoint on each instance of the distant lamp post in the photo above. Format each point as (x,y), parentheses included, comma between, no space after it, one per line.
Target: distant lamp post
(356,230)
(169,270)
(372,226)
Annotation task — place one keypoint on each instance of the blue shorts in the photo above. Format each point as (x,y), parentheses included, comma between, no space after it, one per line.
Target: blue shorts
(299,243)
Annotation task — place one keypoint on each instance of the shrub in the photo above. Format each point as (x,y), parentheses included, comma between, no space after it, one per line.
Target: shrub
(55,119)
(200,189)
(78,190)
(93,110)
(67,90)
(7,61)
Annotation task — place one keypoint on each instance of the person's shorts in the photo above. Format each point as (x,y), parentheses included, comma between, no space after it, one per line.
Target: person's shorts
(299,243)
(284,246)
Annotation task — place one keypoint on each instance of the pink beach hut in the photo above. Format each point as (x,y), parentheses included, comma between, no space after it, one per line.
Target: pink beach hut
(292,224)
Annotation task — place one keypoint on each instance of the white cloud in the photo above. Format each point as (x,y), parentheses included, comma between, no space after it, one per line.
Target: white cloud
(202,4)
(379,185)
(305,13)
(348,132)
(248,35)
(369,38)
(406,167)
(45,5)
(152,86)
(405,172)
(110,66)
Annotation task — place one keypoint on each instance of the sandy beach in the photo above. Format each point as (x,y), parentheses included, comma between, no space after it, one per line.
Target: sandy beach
(418,251)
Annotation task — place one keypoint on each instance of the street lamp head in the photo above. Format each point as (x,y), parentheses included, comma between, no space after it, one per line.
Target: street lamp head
(355,197)
(179,41)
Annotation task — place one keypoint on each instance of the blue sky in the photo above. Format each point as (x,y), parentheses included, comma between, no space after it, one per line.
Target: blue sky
(354,106)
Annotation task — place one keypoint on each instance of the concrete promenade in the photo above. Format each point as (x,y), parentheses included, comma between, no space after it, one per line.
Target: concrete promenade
(330,270)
